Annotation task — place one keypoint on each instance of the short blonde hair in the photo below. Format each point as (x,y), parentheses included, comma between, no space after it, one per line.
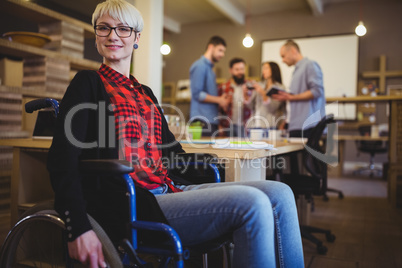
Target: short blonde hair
(119,10)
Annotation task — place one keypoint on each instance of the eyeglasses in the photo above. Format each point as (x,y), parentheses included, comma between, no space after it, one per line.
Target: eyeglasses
(121,31)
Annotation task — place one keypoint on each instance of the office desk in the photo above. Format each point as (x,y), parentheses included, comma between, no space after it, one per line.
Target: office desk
(338,171)
(30,181)
(244,164)
(395,141)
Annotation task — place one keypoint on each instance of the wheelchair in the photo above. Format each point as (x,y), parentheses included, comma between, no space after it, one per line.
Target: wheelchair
(38,239)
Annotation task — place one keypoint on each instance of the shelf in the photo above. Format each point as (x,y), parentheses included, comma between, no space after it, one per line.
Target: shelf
(36,92)
(168,100)
(22,50)
(187,100)
(39,14)
(364,99)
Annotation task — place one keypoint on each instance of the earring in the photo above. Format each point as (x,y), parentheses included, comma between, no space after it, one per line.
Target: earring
(96,45)
(135,46)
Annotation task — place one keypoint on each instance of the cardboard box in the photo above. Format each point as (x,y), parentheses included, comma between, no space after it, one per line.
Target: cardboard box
(50,74)
(10,112)
(66,38)
(11,72)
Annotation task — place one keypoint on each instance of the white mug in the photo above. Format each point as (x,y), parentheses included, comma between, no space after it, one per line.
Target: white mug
(274,134)
(256,134)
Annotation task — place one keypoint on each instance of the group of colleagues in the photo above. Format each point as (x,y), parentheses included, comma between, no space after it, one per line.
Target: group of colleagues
(237,105)
(260,216)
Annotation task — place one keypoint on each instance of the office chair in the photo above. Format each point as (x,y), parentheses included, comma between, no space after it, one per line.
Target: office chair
(370,147)
(39,239)
(315,183)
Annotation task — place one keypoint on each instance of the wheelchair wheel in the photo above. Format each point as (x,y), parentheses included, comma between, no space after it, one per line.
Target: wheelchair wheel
(38,240)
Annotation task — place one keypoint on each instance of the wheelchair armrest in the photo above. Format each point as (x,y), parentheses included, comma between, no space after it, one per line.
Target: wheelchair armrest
(106,167)
(196,168)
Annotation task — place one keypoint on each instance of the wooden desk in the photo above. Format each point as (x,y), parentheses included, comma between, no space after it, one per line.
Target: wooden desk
(359,138)
(244,164)
(364,99)
(395,141)
(30,181)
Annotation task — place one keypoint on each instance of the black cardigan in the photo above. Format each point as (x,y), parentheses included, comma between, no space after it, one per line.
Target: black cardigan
(84,110)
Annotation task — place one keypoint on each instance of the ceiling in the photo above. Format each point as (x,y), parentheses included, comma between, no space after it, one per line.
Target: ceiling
(182,12)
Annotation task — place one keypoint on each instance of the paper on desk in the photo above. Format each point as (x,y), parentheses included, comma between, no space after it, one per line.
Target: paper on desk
(227,144)
(297,140)
(197,141)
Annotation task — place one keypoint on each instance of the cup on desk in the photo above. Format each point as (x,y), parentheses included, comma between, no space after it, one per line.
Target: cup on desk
(375,132)
(257,134)
(274,134)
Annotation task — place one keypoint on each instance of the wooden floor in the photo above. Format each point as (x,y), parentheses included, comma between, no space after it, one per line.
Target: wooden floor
(368,231)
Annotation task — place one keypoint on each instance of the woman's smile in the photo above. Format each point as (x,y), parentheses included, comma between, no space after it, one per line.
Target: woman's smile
(113,47)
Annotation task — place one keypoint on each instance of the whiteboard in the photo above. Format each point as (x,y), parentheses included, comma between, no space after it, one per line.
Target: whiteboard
(338,58)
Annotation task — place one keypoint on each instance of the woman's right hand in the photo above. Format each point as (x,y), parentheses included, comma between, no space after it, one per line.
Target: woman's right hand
(87,249)
(259,89)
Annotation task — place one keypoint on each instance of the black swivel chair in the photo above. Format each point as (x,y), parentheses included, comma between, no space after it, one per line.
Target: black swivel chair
(315,183)
(372,148)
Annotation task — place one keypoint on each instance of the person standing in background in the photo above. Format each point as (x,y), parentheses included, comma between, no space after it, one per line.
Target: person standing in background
(306,95)
(205,101)
(267,112)
(236,114)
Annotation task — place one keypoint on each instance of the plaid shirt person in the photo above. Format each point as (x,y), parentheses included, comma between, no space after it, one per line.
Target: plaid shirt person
(138,126)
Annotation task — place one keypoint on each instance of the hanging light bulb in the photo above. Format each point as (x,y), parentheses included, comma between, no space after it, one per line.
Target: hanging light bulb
(248,41)
(360,29)
(165,49)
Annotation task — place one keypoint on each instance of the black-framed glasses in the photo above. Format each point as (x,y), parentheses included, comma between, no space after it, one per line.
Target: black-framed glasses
(121,31)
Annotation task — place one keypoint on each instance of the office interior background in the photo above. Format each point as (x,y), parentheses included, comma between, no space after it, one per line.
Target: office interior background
(198,20)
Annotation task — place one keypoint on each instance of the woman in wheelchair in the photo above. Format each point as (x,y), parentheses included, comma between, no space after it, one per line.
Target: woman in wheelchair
(108,114)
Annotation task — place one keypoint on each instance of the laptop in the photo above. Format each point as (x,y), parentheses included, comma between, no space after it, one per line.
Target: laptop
(44,125)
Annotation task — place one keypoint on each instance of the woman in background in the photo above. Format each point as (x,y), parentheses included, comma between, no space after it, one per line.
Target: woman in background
(267,113)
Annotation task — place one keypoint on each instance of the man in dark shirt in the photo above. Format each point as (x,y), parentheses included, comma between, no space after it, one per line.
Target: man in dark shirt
(204,92)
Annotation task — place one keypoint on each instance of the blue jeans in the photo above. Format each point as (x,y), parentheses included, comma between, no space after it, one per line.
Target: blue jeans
(261,215)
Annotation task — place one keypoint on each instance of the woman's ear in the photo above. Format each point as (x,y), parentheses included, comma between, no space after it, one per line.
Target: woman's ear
(137,38)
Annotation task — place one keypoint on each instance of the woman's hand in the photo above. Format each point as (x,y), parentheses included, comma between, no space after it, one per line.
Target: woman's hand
(87,249)
(259,89)
(282,96)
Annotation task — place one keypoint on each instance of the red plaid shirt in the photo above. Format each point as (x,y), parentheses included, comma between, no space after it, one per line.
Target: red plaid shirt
(228,89)
(138,126)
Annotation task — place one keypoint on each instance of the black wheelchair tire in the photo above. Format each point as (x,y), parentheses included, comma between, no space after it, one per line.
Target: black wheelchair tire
(51,250)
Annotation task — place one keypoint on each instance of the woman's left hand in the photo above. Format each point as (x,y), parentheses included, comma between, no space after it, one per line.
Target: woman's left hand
(281,96)
(87,249)
(258,88)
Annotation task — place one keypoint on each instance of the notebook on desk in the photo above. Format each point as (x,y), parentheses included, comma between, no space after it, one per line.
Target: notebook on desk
(44,125)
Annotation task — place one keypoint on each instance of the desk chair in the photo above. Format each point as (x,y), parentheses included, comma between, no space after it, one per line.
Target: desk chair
(372,148)
(315,183)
